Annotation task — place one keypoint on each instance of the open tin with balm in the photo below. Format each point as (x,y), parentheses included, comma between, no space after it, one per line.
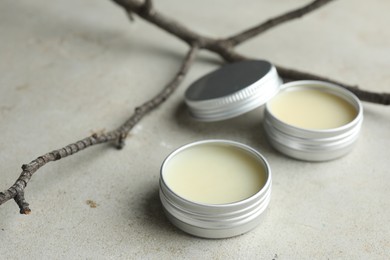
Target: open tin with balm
(215,188)
(313,120)
(306,120)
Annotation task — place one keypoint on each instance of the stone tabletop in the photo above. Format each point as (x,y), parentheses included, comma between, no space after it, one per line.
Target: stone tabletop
(71,68)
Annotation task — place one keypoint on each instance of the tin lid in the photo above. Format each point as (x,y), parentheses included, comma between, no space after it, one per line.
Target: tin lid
(232,90)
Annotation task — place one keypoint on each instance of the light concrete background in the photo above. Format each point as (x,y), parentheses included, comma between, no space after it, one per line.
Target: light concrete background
(72,67)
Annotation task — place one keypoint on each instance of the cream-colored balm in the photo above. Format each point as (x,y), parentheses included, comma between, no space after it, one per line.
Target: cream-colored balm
(214,174)
(312,109)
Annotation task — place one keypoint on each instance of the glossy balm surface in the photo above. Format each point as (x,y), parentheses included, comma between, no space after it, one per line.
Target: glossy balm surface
(214,174)
(312,109)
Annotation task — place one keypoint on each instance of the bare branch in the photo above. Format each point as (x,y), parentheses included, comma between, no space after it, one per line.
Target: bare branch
(159,98)
(148,5)
(273,22)
(368,96)
(164,22)
(23,205)
(222,47)
(16,191)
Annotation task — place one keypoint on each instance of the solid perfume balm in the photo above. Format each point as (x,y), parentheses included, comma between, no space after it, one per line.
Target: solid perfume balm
(214,174)
(312,109)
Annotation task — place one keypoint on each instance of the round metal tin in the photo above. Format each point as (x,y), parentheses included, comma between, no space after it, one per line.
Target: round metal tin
(314,145)
(232,90)
(216,220)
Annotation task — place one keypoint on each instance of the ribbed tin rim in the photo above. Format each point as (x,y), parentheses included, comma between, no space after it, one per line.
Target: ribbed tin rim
(314,144)
(225,220)
(244,100)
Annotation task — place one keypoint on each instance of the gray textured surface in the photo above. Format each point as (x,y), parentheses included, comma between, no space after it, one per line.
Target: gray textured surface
(72,67)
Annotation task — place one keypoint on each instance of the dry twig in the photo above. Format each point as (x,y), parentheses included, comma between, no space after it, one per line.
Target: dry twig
(225,47)
(118,135)
(222,47)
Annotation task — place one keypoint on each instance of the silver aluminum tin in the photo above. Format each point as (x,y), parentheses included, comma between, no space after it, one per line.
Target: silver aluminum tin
(314,145)
(232,90)
(216,220)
